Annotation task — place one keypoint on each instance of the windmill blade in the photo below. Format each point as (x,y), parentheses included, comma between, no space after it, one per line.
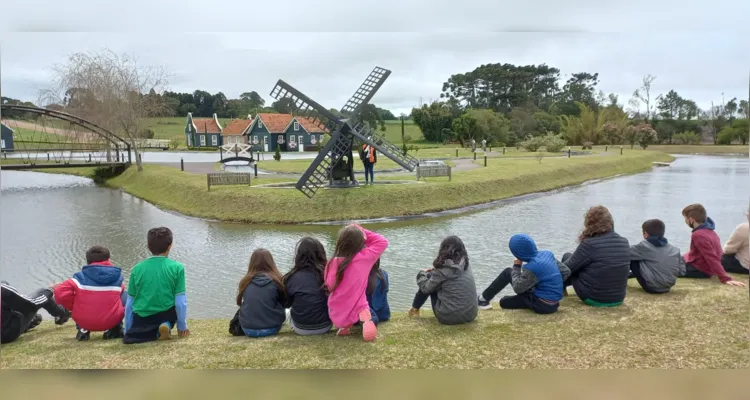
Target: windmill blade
(364,134)
(306,107)
(366,91)
(319,172)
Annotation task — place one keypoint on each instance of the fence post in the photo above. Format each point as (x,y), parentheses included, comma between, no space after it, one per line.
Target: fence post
(255,167)
(475,156)
(221,155)
(456,151)
(620,150)
(89,157)
(182,164)
(503,149)
(568,151)
(47,156)
(605,148)
(490,148)
(485,160)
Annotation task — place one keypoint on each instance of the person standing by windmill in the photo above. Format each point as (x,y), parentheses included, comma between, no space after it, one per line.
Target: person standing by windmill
(369,159)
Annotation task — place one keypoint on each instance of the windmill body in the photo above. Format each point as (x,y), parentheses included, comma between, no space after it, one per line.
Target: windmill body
(334,165)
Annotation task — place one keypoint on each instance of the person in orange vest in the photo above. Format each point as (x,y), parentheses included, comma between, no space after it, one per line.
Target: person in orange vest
(369,158)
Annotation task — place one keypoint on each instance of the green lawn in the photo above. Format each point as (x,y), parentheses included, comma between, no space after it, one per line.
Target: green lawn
(186,193)
(699,324)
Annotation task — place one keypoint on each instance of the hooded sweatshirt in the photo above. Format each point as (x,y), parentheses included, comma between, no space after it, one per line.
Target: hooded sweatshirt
(307,299)
(262,304)
(705,251)
(94,296)
(542,264)
(456,292)
(661,263)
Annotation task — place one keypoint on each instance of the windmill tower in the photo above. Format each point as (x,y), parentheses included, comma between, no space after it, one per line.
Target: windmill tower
(329,165)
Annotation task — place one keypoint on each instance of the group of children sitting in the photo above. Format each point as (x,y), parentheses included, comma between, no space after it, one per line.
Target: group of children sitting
(350,289)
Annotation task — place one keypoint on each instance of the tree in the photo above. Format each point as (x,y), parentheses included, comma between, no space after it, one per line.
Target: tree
(584,128)
(502,87)
(642,95)
(386,115)
(580,88)
(253,100)
(204,103)
(436,120)
(646,136)
(490,126)
(115,88)
(283,105)
(669,105)
(553,142)
(744,109)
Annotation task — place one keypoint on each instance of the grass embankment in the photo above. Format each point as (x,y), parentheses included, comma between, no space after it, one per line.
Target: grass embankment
(700,324)
(186,193)
(700,149)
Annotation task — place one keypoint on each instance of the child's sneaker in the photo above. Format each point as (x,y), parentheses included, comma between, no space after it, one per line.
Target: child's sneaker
(62,318)
(484,304)
(35,321)
(369,330)
(343,332)
(114,333)
(165,331)
(83,335)
(414,313)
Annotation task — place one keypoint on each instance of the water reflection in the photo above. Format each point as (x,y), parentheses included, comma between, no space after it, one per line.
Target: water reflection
(48,221)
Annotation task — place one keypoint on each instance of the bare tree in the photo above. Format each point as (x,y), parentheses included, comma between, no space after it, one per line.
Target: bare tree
(643,95)
(110,90)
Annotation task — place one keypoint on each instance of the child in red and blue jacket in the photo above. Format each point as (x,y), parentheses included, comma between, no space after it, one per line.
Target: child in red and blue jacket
(95,296)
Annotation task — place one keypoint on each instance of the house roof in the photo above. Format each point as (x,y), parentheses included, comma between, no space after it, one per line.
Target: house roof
(236,127)
(206,125)
(275,123)
(309,126)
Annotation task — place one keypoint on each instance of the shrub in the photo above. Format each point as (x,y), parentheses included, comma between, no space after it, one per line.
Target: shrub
(532,143)
(277,154)
(587,145)
(646,137)
(553,143)
(726,135)
(687,137)
(175,143)
(145,134)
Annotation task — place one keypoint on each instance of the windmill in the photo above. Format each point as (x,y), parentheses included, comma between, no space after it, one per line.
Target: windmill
(329,167)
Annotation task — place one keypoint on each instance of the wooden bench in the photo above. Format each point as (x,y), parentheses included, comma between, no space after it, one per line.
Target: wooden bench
(430,170)
(227,178)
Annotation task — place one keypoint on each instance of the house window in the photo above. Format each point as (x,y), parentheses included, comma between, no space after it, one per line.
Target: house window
(260,124)
(203,140)
(2,143)
(190,140)
(255,139)
(296,125)
(214,140)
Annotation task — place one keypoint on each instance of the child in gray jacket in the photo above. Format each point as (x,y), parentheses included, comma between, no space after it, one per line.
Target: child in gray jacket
(654,262)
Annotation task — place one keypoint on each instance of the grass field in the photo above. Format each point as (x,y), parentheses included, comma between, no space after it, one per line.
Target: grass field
(699,324)
(186,193)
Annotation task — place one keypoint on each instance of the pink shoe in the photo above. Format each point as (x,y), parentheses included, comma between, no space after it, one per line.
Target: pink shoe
(343,332)
(369,330)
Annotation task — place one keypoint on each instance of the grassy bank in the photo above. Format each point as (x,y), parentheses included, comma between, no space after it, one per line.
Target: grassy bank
(700,324)
(700,149)
(186,193)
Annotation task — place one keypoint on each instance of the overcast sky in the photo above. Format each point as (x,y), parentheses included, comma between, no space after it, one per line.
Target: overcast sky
(701,49)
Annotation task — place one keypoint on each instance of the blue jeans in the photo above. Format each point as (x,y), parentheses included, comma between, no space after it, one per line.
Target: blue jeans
(369,172)
(257,333)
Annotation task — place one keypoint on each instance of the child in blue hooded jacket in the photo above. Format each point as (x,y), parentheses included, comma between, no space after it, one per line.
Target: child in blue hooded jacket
(536,277)
(377,294)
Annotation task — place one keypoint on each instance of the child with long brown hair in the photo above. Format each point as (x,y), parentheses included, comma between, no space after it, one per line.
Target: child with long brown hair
(347,276)
(305,294)
(260,297)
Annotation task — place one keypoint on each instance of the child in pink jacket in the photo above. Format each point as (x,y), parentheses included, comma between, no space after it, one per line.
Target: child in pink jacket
(346,277)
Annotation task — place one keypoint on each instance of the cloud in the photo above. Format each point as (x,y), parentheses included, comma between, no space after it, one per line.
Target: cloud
(695,48)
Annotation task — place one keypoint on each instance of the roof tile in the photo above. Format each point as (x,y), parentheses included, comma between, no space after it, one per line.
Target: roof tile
(236,127)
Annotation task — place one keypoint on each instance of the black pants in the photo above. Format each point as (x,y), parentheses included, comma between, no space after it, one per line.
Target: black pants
(635,268)
(146,329)
(421,298)
(732,264)
(692,272)
(498,284)
(527,300)
(23,308)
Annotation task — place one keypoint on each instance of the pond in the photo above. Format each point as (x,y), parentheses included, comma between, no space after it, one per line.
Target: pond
(48,221)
